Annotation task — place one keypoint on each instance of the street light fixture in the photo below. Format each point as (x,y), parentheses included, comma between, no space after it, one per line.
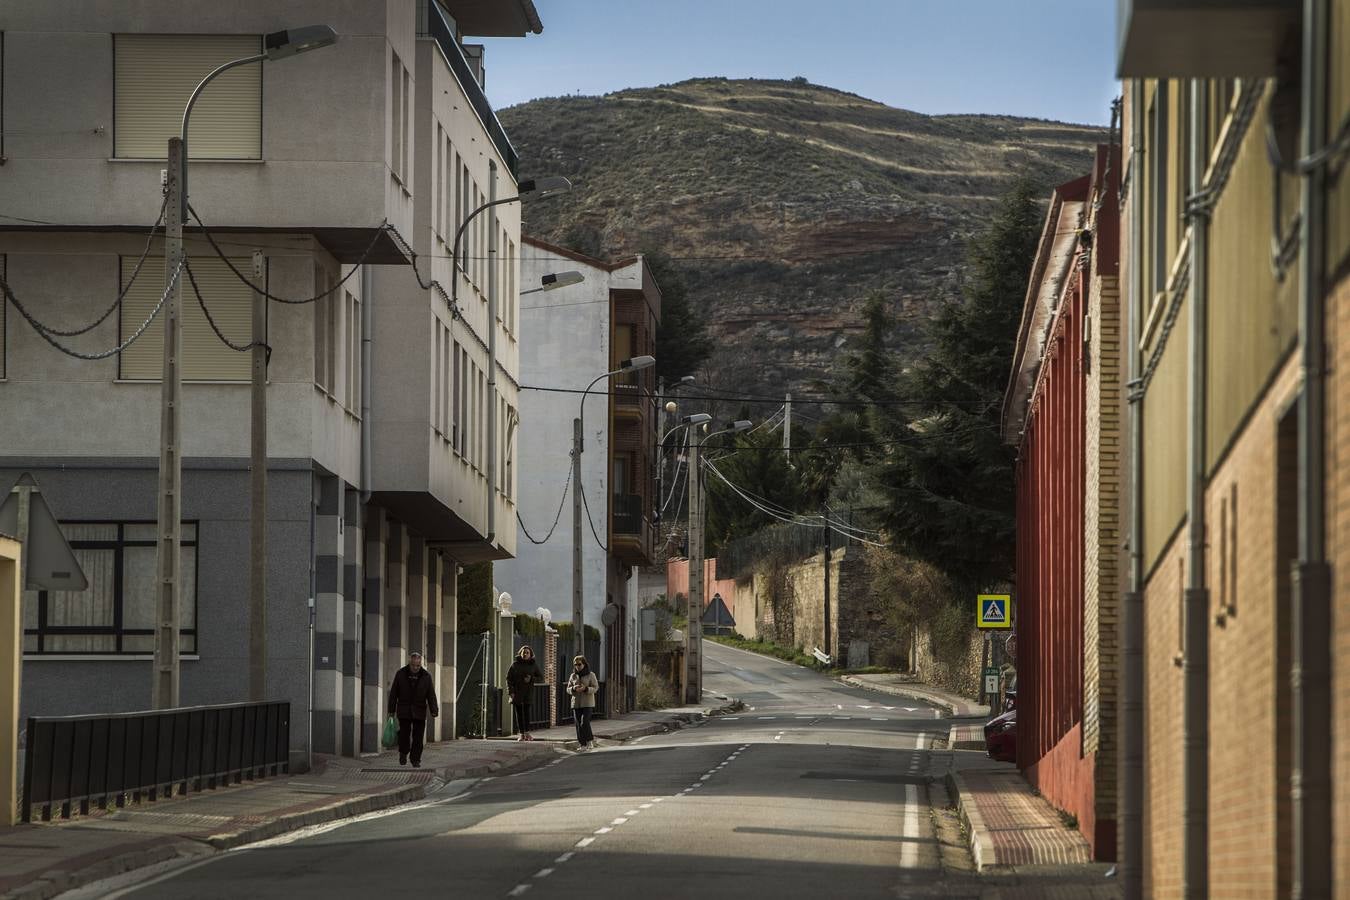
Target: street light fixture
(165,684)
(554,280)
(633,364)
(693,632)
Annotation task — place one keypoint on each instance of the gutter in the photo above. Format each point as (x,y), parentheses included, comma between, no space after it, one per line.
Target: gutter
(1195,654)
(1130,815)
(492,399)
(367,350)
(1312,596)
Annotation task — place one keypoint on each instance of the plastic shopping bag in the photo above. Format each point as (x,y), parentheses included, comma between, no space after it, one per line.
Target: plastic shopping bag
(390,732)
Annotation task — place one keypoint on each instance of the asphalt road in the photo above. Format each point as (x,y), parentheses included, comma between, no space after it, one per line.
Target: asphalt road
(815,790)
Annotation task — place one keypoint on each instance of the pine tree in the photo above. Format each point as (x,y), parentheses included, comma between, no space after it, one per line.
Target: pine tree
(682,342)
(948,478)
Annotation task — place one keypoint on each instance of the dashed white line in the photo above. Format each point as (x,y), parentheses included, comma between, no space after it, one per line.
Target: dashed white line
(645,806)
(565,857)
(704,777)
(878,718)
(657,799)
(518,890)
(543,873)
(605,830)
(632,812)
(619,821)
(909,850)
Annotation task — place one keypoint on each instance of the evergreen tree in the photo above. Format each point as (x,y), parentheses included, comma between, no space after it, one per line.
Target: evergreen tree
(682,342)
(948,477)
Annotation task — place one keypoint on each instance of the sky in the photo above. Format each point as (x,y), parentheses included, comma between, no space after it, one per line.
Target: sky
(1051,59)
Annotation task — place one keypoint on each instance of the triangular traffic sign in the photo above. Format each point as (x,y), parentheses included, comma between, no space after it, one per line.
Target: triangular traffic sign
(50,562)
(993,611)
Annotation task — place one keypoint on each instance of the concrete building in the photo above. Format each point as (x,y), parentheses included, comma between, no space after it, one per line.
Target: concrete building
(384,474)
(1063,411)
(1235,765)
(575,336)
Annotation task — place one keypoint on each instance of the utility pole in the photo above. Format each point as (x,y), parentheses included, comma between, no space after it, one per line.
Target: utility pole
(257,612)
(693,651)
(168,584)
(578,611)
(787,428)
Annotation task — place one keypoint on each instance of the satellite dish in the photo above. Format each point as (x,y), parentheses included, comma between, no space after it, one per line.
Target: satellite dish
(610,615)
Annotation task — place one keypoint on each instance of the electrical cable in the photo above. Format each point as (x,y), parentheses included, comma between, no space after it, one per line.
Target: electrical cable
(785,511)
(557,518)
(105,354)
(244,278)
(796,519)
(765,398)
(591,522)
(210,319)
(674,486)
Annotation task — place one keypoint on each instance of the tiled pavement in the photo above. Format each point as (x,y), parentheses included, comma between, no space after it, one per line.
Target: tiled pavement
(1009,825)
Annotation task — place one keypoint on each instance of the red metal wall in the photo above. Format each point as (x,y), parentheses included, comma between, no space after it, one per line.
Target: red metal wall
(1050,548)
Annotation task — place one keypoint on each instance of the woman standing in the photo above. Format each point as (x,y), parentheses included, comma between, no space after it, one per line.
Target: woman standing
(520,681)
(582,686)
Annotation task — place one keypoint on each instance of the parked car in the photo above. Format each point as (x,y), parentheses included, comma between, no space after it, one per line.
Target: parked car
(1000,737)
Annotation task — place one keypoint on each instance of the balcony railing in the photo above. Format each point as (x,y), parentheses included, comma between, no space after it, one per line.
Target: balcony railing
(440,29)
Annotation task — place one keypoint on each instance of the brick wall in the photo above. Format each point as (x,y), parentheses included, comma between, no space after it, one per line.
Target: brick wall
(1162,725)
(1338,545)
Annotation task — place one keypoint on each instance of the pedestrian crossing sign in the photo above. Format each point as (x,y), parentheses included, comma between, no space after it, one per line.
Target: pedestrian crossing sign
(993,611)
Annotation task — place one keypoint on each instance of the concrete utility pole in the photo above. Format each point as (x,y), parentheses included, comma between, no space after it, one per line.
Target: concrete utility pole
(787,428)
(168,584)
(578,611)
(257,611)
(693,652)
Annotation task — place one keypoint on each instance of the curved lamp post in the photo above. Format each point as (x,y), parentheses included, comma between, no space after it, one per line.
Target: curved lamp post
(168,582)
(578,429)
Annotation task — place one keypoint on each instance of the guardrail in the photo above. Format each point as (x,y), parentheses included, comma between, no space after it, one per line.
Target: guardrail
(84,761)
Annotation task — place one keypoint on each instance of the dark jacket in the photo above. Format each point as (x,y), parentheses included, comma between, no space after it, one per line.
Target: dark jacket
(410,696)
(521,677)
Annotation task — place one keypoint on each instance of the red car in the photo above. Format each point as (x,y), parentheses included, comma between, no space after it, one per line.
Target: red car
(1000,737)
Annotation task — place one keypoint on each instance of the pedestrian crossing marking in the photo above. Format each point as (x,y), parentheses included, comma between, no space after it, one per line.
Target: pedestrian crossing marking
(993,611)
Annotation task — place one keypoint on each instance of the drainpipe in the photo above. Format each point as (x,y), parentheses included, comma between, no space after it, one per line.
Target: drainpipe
(1131,811)
(1195,659)
(492,363)
(367,348)
(1311,619)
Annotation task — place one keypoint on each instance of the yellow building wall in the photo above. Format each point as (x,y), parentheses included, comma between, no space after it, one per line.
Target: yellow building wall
(1164,461)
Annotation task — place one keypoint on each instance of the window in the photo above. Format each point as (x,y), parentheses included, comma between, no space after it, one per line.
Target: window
(155,74)
(353,354)
(437,186)
(455,422)
(1159,145)
(322,314)
(204,358)
(117,613)
(396,116)
(405,124)
(623,349)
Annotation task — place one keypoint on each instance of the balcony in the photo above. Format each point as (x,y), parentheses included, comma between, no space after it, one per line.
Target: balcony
(436,27)
(631,535)
(1202,38)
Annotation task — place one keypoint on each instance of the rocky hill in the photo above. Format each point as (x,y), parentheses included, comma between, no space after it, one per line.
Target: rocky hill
(785,203)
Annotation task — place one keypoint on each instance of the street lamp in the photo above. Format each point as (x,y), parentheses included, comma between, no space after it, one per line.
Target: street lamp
(578,429)
(554,280)
(164,692)
(531,187)
(693,632)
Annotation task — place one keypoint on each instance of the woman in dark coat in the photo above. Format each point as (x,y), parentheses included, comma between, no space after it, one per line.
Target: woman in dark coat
(521,678)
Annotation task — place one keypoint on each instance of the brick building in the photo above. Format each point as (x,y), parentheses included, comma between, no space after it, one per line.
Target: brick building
(1063,412)
(1235,774)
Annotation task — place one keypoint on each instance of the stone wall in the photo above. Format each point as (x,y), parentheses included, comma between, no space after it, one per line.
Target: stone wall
(955,669)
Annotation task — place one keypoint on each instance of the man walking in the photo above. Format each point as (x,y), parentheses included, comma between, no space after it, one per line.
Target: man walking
(411,697)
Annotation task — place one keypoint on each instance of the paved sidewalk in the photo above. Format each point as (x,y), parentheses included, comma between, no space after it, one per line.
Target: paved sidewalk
(906,686)
(41,860)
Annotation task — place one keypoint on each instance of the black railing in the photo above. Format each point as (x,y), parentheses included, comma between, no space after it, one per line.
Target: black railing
(445,37)
(84,761)
(627,514)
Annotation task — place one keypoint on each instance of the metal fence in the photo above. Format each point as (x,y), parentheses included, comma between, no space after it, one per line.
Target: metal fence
(82,761)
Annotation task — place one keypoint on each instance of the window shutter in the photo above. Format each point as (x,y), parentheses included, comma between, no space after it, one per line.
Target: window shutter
(155,74)
(4,335)
(205,358)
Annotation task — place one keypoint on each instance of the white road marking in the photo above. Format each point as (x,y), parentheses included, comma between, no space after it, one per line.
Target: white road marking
(802,718)
(731,719)
(619,821)
(838,706)
(645,806)
(910,708)
(632,812)
(565,857)
(585,842)
(920,741)
(860,706)
(543,873)
(909,850)
(878,718)
(704,777)
(767,718)
(518,890)
(657,799)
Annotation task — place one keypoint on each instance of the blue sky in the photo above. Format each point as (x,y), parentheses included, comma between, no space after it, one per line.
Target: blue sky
(1051,59)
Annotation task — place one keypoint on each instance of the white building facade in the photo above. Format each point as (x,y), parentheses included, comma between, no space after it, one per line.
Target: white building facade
(333,164)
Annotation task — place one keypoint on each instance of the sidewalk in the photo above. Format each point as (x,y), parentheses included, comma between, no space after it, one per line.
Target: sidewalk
(906,686)
(41,860)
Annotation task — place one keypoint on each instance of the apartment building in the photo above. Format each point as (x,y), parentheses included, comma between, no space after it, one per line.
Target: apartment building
(386,412)
(1236,252)
(577,335)
(1063,411)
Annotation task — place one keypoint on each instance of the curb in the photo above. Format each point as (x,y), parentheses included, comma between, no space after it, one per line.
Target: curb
(955,743)
(344,809)
(955,709)
(981,844)
(57,881)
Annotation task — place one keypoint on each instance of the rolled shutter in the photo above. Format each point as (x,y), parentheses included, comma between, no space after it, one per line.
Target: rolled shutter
(205,357)
(155,75)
